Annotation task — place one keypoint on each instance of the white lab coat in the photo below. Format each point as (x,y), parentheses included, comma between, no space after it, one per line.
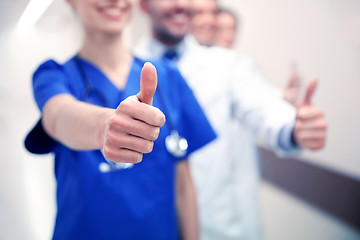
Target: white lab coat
(240,105)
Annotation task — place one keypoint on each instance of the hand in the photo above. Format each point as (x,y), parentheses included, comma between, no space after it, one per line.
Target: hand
(135,124)
(310,124)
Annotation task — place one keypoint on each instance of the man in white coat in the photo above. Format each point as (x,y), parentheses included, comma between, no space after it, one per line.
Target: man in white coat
(240,106)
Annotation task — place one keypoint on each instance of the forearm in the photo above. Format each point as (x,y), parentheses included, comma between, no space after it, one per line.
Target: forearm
(75,124)
(186,203)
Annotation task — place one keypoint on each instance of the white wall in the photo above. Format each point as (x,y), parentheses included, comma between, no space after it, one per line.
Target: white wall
(27,184)
(323,37)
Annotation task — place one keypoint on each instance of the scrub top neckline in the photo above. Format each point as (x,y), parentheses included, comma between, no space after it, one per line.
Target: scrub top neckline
(103,74)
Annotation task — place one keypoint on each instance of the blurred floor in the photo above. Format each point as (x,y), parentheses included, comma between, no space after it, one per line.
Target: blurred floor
(286,217)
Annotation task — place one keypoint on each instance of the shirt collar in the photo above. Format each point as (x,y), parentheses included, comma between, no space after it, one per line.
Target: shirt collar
(158,49)
(151,48)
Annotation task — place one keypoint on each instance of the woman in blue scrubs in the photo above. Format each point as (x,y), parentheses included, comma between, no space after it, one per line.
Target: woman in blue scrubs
(103,117)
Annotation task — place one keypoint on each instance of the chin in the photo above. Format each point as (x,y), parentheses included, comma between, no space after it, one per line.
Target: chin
(204,40)
(114,28)
(179,32)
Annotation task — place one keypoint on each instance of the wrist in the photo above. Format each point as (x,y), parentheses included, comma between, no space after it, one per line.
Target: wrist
(293,138)
(104,118)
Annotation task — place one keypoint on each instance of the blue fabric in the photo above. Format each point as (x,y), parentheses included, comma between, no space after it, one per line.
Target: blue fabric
(284,141)
(171,55)
(133,203)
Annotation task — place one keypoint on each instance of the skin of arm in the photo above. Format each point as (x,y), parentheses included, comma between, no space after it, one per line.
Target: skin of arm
(186,202)
(76,124)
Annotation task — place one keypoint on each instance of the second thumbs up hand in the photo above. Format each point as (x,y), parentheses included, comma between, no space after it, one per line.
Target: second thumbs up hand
(310,124)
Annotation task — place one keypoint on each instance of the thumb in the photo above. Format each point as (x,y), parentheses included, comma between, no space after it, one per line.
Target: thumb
(148,83)
(310,91)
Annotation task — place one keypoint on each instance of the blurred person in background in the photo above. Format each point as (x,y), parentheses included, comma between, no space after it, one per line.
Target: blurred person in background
(100,114)
(204,25)
(227,27)
(240,106)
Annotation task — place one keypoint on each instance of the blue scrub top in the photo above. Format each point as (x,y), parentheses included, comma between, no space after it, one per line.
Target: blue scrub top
(137,202)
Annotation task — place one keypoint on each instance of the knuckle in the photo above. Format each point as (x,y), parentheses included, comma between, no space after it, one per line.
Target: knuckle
(125,105)
(113,122)
(302,113)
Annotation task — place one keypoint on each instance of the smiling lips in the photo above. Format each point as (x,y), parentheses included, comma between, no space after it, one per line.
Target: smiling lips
(113,12)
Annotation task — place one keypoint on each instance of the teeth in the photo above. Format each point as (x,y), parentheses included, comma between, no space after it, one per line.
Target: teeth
(112,11)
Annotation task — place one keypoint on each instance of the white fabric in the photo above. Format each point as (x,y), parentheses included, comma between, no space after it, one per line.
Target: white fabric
(240,104)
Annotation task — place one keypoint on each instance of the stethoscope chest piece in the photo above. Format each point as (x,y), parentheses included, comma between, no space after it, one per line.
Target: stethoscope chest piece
(176,145)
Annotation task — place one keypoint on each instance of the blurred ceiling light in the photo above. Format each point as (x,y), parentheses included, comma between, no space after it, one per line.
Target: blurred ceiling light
(33,11)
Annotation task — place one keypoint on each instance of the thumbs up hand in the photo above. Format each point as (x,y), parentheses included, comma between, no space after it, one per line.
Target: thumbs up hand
(310,124)
(134,126)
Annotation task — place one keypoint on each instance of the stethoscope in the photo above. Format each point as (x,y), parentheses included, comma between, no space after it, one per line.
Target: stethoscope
(175,144)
